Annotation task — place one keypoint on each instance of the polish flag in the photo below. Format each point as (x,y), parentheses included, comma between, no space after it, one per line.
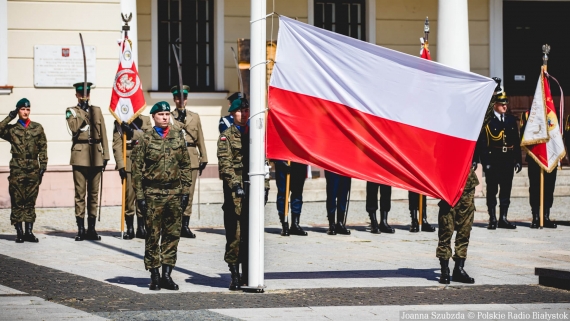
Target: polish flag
(542,137)
(372,113)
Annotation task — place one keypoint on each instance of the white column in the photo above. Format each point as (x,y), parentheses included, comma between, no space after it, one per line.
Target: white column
(371,21)
(3,42)
(130,6)
(256,143)
(453,34)
(496,38)
(219,47)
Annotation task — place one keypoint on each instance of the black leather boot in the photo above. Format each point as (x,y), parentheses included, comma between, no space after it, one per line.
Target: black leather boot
(426,227)
(19,232)
(547,222)
(80,228)
(185,229)
(384,227)
(29,236)
(141,229)
(445,277)
(91,233)
(415,225)
(340,228)
(166,281)
(130,232)
(235,284)
(332,226)
(374,229)
(459,274)
(535,219)
(284,225)
(503,222)
(296,229)
(492,219)
(154,279)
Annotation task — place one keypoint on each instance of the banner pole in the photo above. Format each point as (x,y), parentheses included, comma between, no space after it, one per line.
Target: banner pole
(124,185)
(287,187)
(541,197)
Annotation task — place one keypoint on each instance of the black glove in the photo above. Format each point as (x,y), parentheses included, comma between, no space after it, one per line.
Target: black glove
(104,164)
(141,204)
(474,166)
(184,202)
(498,81)
(285,167)
(202,166)
(127,129)
(123,173)
(181,115)
(266,196)
(42,171)
(518,168)
(239,191)
(14,113)
(84,104)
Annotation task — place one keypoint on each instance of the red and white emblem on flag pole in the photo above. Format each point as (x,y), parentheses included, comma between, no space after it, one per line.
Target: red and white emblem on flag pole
(127,100)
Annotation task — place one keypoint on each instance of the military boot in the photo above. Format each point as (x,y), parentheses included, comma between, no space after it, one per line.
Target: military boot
(166,281)
(492,219)
(445,277)
(547,222)
(130,232)
(235,284)
(186,229)
(141,229)
(80,228)
(154,279)
(29,236)
(426,227)
(91,233)
(374,229)
(296,229)
(384,227)
(459,274)
(503,222)
(19,232)
(340,228)
(284,225)
(332,226)
(535,219)
(415,225)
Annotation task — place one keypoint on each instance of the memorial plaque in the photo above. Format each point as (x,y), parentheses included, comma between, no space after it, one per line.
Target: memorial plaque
(62,66)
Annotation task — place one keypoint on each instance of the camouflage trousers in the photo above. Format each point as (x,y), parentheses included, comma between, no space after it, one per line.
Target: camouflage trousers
(236,224)
(163,224)
(188,211)
(24,184)
(130,199)
(458,218)
(86,180)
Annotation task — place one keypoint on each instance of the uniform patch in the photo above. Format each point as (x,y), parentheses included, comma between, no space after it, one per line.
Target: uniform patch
(222,138)
(67,114)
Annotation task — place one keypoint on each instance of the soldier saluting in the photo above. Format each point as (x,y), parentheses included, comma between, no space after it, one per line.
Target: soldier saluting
(89,156)
(27,167)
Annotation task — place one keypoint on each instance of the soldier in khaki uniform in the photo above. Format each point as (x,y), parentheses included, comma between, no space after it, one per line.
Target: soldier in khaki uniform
(88,136)
(27,167)
(134,131)
(191,126)
(162,180)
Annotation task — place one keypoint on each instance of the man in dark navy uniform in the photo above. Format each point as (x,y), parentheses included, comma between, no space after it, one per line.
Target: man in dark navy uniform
(338,187)
(298,173)
(228,120)
(372,206)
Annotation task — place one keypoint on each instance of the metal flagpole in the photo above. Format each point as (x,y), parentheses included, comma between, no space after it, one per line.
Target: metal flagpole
(124,187)
(541,197)
(258,74)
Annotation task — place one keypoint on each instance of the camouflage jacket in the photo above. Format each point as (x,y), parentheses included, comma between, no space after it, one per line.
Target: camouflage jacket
(158,161)
(26,142)
(139,125)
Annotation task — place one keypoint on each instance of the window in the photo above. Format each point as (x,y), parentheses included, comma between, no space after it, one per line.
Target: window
(346,17)
(189,25)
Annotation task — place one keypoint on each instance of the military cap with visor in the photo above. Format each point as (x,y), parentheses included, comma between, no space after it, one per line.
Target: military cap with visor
(80,86)
(501,98)
(238,104)
(175,92)
(159,107)
(236,95)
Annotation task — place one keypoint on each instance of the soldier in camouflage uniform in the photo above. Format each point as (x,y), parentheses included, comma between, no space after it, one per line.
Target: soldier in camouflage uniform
(162,179)
(27,167)
(233,162)
(191,126)
(134,131)
(460,218)
(87,168)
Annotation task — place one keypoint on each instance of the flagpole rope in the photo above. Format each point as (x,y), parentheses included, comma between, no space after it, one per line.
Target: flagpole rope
(263,18)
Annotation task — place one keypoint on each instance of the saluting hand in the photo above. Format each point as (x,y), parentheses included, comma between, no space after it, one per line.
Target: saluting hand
(14,113)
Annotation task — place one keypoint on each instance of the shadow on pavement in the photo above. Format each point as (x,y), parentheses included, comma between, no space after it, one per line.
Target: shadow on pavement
(9,237)
(428,274)
(139,282)
(219,231)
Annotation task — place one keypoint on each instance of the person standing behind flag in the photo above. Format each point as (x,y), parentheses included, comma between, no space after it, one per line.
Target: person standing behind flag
(87,175)
(414,206)
(134,131)
(189,122)
(298,173)
(338,188)
(500,153)
(372,206)
(27,167)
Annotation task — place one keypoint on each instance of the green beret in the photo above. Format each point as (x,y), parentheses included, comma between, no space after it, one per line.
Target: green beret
(160,106)
(175,92)
(79,86)
(238,104)
(23,103)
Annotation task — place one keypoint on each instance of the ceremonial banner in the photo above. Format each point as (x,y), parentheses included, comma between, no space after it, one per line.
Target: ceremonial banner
(542,137)
(372,113)
(127,100)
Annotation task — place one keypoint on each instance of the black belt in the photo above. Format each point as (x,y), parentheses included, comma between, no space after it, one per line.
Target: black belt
(89,141)
(504,148)
(25,156)
(190,144)
(161,185)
